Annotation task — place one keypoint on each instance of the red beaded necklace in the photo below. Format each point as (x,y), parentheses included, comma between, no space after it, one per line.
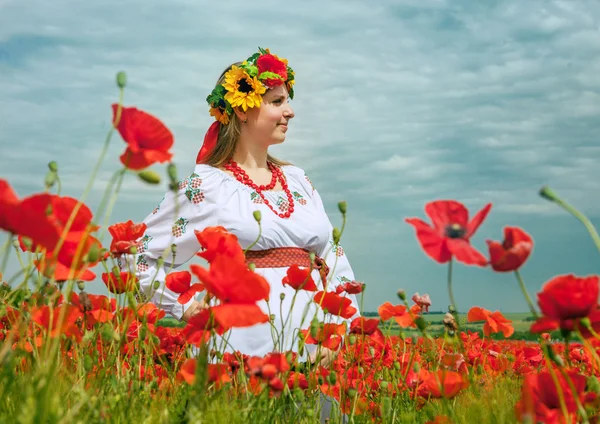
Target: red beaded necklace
(276,174)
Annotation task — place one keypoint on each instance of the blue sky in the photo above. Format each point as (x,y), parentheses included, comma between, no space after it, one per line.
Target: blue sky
(397,103)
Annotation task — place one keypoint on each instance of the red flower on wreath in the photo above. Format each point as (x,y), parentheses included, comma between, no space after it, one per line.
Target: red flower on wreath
(271,63)
(148,139)
(451,232)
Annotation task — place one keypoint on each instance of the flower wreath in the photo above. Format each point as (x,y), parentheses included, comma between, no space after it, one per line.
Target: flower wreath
(243,87)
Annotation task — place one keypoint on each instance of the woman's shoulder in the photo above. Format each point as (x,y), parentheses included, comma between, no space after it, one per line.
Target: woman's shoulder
(300,176)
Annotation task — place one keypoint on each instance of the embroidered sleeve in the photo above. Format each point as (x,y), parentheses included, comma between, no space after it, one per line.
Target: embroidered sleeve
(169,240)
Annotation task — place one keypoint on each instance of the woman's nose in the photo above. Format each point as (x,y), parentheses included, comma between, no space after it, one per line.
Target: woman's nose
(289,112)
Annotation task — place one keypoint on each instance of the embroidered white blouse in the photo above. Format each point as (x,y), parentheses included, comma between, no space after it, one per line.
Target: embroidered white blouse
(211,197)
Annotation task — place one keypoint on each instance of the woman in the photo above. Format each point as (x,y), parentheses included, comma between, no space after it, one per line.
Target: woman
(235,176)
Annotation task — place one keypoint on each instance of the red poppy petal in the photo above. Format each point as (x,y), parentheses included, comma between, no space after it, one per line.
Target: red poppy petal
(431,242)
(465,253)
(235,315)
(444,212)
(477,220)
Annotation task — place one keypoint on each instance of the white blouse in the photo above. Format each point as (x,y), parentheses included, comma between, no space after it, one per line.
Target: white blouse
(211,197)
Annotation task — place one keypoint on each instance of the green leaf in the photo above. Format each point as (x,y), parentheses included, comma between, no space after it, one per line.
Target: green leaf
(269,74)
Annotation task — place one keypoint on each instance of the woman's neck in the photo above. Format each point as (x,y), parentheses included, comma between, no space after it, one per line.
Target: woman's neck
(250,156)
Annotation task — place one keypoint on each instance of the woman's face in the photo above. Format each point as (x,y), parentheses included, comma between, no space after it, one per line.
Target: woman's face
(269,123)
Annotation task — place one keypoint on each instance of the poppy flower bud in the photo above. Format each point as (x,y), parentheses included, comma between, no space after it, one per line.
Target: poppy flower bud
(251,266)
(416,367)
(384,385)
(16,243)
(50,179)
(160,261)
(149,176)
(421,323)
(172,173)
(156,285)
(257,216)
(81,285)
(88,363)
(352,393)
(401,294)
(549,194)
(133,250)
(342,206)
(121,79)
(352,339)
(272,317)
(332,377)
(53,166)
(282,296)
(372,351)
(309,412)
(397,365)
(336,235)
(585,321)
(173,248)
(93,255)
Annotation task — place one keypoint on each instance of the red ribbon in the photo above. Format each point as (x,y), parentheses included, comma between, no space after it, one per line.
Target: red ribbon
(210,141)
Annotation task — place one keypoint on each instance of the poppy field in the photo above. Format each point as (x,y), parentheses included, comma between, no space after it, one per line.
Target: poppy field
(68,355)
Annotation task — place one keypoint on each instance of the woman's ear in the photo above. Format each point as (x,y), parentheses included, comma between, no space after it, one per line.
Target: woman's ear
(242,116)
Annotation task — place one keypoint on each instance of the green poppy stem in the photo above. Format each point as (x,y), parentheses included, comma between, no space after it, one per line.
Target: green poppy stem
(450,294)
(549,194)
(526,293)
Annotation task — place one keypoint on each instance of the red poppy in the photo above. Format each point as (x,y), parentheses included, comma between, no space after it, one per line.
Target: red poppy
(451,232)
(97,308)
(117,284)
(495,322)
(424,301)
(216,373)
(148,139)
(512,252)
(350,287)
(237,288)
(335,304)
(328,335)
(569,297)
(23,218)
(125,236)
(179,282)
(299,279)
(403,316)
(198,328)
(441,383)
(362,325)
(59,321)
(540,397)
(217,241)
(271,63)
(62,273)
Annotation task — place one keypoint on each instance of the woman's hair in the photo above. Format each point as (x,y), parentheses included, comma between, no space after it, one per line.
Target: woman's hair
(228,137)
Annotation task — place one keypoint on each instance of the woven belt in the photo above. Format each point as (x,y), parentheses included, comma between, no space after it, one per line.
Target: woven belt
(285,257)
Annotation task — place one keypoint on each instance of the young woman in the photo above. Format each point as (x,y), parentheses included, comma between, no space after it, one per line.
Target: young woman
(234,177)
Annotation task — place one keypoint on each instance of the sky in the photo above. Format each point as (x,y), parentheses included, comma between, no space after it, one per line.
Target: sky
(398,103)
